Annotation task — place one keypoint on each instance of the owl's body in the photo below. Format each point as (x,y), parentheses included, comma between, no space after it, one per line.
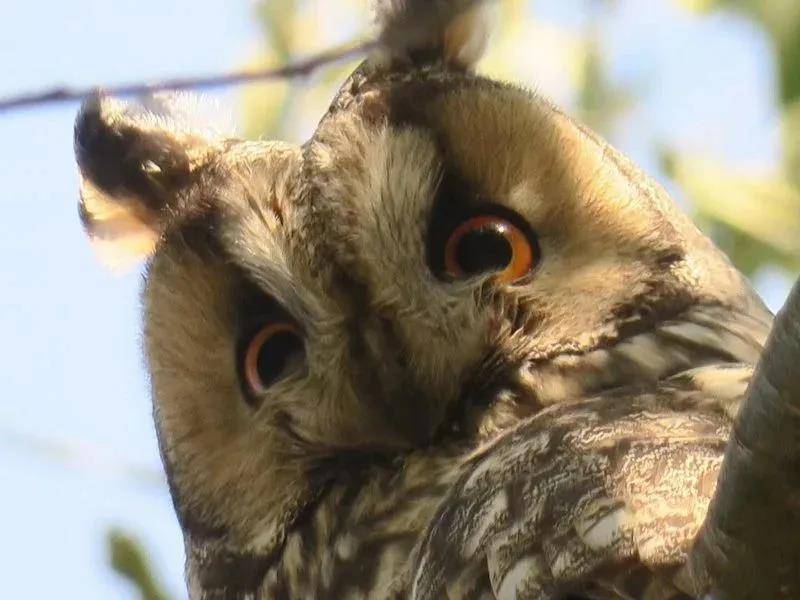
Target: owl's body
(453,346)
(623,478)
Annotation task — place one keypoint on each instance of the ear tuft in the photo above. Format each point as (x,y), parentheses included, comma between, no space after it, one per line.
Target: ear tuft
(454,32)
(137,163)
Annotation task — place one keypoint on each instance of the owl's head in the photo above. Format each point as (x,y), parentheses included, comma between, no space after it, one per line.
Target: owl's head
(445,254)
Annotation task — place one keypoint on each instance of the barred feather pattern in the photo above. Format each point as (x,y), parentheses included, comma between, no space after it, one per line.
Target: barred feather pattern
(595,497)
(621,480)
(599,498)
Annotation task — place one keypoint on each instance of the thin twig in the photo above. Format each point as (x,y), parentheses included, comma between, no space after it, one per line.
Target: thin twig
(92,458)
(415,24)
(300,68)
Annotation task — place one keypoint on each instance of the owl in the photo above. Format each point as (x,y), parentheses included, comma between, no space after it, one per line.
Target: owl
(453,346)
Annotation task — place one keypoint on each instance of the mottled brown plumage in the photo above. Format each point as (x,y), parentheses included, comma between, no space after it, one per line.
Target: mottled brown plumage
(427,434)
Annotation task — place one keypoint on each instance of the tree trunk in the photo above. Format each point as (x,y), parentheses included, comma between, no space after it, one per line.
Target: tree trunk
(749,545)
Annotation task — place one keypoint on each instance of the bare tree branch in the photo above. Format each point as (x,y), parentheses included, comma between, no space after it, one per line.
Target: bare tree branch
(405,24)
(299,68)
(749,544)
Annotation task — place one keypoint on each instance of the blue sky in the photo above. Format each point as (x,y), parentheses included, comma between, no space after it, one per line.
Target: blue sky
(77,448)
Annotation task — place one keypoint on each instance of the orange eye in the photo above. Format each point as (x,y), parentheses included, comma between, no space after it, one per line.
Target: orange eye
(488,243)
(268,354)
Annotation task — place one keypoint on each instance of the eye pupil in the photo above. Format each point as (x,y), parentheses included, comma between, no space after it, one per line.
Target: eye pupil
(267,356)
(484,249)
(275,354)
(489,243)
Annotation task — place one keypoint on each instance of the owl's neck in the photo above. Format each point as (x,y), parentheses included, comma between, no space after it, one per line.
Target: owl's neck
(358,532)
(703,335)
(700,336)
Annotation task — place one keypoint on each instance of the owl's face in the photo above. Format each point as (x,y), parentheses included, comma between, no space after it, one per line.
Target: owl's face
(445,255)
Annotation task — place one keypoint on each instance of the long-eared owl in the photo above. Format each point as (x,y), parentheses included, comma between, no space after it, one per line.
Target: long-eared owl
(453,346)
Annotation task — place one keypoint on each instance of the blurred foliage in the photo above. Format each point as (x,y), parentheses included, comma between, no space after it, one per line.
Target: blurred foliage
(756,218)
(600,102)
(129,559)
(289,28)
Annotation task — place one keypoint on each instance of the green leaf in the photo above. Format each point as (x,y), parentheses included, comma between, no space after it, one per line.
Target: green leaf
(130,559)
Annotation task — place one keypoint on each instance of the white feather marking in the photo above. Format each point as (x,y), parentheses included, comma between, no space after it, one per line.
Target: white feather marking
(489,516)
(120,234)
(600,534)
(264,538)
(345,547)
(530,447)
(523,570)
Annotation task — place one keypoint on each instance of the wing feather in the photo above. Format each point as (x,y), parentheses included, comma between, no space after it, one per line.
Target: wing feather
(578,497)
